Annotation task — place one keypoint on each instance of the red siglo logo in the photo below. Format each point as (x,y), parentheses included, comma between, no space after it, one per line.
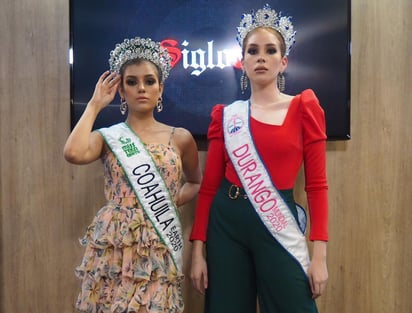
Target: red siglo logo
(175,53)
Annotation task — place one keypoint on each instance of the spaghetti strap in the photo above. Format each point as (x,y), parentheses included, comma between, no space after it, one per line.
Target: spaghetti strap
(171,136)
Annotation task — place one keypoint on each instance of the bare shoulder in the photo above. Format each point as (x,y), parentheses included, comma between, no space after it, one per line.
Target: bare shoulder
(182,137)
(183,140)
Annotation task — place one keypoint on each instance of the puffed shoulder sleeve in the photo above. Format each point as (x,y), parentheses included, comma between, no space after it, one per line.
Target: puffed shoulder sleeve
(314,150)
(313,116)
(215,127)
(212,175)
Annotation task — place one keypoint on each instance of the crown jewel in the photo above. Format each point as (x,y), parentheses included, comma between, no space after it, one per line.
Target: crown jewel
(142,48)
(267,17)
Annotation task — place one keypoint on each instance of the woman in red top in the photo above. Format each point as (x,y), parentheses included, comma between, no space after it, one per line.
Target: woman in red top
(245,262)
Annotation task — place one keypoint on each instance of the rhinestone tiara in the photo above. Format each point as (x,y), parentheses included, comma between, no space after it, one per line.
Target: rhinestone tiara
(267,17)
(140,48)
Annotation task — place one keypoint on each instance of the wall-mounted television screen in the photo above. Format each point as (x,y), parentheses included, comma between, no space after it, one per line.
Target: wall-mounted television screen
(201,36)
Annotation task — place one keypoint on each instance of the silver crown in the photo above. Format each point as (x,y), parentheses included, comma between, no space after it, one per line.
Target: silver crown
(267,17)
(142,48)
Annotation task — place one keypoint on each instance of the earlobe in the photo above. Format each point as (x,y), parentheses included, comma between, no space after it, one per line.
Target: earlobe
(284,63)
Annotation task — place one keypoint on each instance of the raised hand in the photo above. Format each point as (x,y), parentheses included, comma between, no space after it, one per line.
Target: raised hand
(105,90)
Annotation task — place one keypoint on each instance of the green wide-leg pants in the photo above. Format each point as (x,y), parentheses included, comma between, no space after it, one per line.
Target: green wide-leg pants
(247,265)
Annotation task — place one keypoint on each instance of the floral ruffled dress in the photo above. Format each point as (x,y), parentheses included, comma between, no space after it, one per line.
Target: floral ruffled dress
(126,265)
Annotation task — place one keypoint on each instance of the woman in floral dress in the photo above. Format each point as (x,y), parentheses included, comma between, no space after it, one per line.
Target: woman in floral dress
(133,247)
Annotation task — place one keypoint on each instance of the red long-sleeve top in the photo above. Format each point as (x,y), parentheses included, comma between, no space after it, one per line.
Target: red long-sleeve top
(300,139)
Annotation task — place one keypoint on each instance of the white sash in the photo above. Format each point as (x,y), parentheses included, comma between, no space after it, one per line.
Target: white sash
(148,185)
(257,183)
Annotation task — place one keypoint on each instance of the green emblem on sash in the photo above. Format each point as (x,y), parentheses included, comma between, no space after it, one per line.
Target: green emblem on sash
(128,147)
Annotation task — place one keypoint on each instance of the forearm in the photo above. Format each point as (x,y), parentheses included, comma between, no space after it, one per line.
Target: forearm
(77,147)
(319,252)
(187,192)
(197,248)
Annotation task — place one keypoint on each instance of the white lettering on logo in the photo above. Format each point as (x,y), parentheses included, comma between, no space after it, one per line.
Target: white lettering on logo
(200,60)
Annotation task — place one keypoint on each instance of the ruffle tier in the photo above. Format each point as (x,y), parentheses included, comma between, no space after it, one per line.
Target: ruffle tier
(126,266)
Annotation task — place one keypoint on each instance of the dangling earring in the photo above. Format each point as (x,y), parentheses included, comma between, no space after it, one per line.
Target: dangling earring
(243,82)
(123,106)
(159,105)
(281,82)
